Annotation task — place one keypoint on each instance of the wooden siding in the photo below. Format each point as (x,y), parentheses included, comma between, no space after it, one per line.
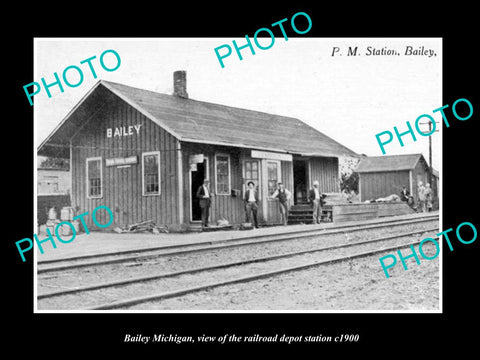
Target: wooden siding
(381,184)
(228,206)
(325,171)
(273,208)
(122,187)
(232,207)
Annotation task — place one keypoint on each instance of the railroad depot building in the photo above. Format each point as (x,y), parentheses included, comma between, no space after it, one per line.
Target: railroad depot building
(144,155)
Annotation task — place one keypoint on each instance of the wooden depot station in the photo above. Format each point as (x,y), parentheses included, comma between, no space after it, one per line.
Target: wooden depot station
(144,154)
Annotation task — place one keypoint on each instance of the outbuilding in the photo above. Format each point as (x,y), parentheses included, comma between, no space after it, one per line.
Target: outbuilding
(144,154)
(53,191)
(381,176)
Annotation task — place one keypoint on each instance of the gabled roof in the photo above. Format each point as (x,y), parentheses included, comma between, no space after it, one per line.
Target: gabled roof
(201,122)
(389,163)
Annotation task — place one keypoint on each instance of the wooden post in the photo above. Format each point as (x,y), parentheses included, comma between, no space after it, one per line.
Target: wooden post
(180,183)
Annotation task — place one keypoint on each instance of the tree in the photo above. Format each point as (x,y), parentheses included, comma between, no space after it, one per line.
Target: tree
(348,177)
(349,182)
(55,163)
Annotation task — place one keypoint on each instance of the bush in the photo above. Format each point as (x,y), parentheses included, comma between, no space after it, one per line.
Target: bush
(349,182)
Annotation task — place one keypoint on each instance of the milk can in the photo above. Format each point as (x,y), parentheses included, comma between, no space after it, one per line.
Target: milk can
(52,214)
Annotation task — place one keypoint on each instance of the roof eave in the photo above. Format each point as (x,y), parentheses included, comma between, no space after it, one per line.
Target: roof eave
(66,117)
(142,110)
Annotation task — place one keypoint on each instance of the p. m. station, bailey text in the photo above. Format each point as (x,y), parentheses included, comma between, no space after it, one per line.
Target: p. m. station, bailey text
(383,51)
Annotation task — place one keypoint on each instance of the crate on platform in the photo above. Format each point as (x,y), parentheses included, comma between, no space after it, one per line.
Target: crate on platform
(67,213)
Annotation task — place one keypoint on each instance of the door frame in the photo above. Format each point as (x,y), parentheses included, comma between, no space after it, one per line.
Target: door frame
(307,178)
(191,195)
(266,198)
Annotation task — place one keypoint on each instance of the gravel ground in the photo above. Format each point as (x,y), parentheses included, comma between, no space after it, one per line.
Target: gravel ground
(48,282)
(349,285)
(85,300)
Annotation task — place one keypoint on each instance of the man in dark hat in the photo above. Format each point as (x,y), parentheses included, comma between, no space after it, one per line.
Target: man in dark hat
(251,203)
(283,196)
(204,195)
(405,196)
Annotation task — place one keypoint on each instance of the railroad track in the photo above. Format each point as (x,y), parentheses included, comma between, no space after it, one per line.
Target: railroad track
(187,281)
(56,265)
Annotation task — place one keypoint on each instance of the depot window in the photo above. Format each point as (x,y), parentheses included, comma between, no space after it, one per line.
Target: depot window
(273,176)
(151,173)
(252,173)
(94,177)
(222,174)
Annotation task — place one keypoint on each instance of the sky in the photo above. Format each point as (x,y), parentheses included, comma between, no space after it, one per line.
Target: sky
(349,98)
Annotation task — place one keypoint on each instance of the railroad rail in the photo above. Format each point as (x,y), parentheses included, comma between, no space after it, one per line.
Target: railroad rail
(181,249)
(276,270)
(190,290)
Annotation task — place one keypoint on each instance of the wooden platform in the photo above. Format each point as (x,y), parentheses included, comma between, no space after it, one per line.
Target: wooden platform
(366,211)
(336,208)
(394,208)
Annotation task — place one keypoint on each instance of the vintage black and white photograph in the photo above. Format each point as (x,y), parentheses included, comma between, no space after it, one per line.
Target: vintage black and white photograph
(227,175)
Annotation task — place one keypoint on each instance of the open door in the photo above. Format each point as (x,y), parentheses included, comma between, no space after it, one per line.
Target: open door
(196,180)
(300,184)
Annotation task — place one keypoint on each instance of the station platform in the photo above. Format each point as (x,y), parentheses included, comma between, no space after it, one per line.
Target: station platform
(107,242)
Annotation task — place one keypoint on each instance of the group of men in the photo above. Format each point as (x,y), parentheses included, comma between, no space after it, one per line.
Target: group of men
(251,200)
(424,197)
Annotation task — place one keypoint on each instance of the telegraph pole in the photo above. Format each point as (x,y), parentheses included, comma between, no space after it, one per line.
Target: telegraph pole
(430,173)
(430,166)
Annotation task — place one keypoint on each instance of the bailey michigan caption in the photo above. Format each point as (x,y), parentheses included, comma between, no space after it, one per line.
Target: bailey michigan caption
(407,50)
(179,339)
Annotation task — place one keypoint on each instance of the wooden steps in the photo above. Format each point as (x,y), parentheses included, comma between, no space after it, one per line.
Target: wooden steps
(195,227)
(300,214)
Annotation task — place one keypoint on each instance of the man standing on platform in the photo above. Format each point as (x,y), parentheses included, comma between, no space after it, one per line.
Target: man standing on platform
(251,203)
(203,193)
(283,196)
(314,197)
(421,197)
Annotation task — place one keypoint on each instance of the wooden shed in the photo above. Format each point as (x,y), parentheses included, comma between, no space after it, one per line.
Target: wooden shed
(53,190)
(143,154)
(380,176)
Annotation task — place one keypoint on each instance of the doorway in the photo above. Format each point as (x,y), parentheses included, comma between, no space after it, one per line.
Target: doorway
(300,184)
(196,180)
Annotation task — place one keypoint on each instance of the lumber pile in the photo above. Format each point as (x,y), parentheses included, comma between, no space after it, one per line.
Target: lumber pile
(144,226)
